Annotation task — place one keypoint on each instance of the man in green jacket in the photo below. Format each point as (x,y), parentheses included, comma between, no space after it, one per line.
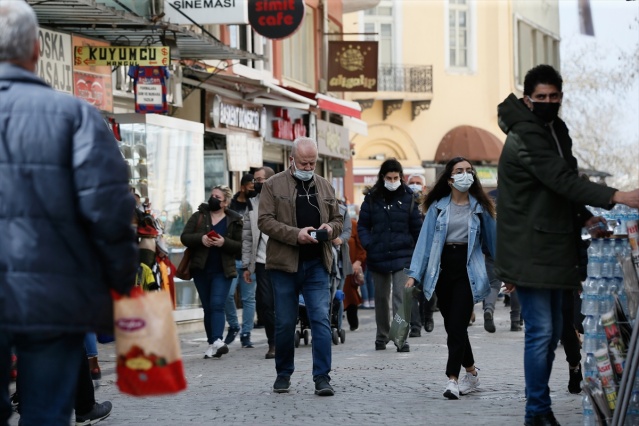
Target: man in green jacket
(541,212)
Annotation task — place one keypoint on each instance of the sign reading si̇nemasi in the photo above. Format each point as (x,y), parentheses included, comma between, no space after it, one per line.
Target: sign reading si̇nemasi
(122,55)
(206,11)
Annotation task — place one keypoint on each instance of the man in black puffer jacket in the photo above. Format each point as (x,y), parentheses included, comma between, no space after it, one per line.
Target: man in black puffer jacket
(65,215)
(388,227)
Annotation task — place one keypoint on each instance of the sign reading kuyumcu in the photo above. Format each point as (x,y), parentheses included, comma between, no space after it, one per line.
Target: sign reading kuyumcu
(122,55)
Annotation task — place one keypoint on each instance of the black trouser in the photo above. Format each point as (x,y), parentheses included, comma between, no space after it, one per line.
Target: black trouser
(568,335)
(455,301)
(84,393)
(264,302)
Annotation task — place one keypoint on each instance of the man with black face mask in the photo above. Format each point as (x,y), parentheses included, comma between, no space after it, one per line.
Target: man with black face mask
(540,213)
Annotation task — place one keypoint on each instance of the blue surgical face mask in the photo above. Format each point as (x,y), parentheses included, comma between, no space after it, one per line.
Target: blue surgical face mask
(417,188)
(304,175)
(463,181)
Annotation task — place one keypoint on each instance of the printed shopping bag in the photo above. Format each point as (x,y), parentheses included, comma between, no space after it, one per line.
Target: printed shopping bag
(146,343)
(400,325)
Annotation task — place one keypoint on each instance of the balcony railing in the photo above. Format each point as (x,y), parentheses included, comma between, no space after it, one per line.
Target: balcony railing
(405,78)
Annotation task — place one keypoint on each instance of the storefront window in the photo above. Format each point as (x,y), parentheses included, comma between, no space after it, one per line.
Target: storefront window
(166,163)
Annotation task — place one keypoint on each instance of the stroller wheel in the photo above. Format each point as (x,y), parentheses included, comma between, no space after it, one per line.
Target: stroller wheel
(342,335)
(297,338)
(335,336)
(306,336)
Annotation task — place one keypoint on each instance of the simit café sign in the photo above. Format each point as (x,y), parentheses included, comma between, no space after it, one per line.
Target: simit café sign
(276,19)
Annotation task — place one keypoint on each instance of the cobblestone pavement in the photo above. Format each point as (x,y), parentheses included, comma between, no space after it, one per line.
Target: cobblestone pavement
(372,387)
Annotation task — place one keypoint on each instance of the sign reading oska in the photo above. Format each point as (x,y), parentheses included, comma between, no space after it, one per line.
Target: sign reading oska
(206,11)
(55,65)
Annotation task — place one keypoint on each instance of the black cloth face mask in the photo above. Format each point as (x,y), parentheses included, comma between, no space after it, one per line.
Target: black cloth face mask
(546,111)
(214,204)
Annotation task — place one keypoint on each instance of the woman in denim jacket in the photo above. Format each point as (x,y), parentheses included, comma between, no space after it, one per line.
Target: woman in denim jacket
(448,260)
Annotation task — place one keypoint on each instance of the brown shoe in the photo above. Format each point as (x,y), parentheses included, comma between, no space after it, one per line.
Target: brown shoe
(271,352)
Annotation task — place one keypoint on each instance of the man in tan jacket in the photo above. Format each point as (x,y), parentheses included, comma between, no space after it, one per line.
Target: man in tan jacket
(299,212)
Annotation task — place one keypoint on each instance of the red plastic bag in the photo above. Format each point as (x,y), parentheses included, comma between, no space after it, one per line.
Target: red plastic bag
(146,343)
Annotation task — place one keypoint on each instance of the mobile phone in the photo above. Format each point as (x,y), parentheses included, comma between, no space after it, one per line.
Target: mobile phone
(319,234)
(213,234)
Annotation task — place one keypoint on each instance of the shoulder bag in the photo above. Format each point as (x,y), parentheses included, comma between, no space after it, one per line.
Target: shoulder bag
(183,271)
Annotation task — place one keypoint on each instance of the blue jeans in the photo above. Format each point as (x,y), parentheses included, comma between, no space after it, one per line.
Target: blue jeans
(541,311)
(248,302)
(91,344)
(312,280)
(368,288)
(213,290)
(47,375)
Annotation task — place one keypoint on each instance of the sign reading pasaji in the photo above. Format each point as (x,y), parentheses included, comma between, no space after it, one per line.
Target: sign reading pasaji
(122,55)
(276,19)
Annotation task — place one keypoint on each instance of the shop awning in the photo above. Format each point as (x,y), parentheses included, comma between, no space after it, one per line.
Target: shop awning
(330,104)
(470,142)
(123,27)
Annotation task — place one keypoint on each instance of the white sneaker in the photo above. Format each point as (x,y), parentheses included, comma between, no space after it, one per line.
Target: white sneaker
(209,352)
(452,390)
(468,384)
(220,348)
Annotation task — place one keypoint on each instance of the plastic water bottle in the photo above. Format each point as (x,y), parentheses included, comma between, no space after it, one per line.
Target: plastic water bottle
(632,415)
(589,415)
(589,305)
(590,335)
(594,258)
(590,367)
(607,258)
(602,340)
(604,294)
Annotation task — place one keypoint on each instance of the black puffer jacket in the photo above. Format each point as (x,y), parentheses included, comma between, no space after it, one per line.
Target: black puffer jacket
(65,211)
(389,231)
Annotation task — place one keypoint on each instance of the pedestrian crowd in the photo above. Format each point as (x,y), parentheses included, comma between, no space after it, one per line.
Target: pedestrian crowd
(283,238)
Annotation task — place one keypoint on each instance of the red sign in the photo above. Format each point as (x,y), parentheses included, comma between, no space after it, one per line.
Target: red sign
(276,19)
(91,88)
(284,128)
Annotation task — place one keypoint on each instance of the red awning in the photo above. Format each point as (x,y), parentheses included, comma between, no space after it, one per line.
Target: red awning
(334,105)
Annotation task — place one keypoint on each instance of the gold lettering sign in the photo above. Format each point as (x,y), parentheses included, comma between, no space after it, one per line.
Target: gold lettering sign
(122,56)
(352,66)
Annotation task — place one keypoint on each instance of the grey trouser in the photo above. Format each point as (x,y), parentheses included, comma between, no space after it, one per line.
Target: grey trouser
(383,284)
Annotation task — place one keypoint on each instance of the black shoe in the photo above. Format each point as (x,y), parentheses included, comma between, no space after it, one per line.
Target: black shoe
(282,384)
(415,332)
(245,339)
(429,325)
(574,384)
(547,419)
(323,387)
(231,335)
(270,354)
(405,348)
(489,324)
(514,326)
(97,413)
(379,345)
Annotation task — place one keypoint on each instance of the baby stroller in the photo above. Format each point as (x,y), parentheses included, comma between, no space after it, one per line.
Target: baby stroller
(305,326)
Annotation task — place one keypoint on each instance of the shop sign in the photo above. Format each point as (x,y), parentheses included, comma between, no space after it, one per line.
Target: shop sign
(332,140)
(115,56)
(150,89)
(55,64)
(285,128)
(487,175)
(206,11)
(352,66)
(239,116)
(276,19)
(366,180)
(236,148)
(93,82)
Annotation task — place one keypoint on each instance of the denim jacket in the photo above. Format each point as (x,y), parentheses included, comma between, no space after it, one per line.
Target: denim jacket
(425,264)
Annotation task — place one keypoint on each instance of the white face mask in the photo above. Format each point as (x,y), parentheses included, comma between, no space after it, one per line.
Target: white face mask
(415,187)
(304,175)
(392,186)
(463,181)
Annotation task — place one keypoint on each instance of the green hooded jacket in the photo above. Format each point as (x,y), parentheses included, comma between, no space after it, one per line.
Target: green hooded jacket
(542,199)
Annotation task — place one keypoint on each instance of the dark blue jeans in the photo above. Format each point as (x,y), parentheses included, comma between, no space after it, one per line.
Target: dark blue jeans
(311,279)
(48,368)
(213,290)
(541,311)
